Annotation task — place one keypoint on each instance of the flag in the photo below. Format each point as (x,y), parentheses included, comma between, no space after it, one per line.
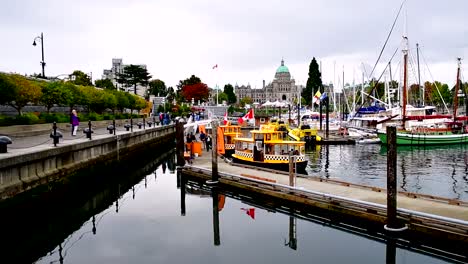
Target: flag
(247,117)
(215,66)
(249,211)
(225,118)
(323,96)
(316,99)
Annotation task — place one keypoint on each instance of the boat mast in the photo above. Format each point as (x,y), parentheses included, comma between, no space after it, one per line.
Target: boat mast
(457,87)
(419,73)
(405,62)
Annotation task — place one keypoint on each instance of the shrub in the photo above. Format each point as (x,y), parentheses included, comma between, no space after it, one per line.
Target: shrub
(27,119)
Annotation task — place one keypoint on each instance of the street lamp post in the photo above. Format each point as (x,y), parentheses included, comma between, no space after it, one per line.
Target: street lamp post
(42,46)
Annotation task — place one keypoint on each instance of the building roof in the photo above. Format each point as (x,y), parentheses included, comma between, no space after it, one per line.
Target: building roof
(282,68)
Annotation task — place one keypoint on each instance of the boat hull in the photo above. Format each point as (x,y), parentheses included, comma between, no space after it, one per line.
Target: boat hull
(301,166)
(409,139)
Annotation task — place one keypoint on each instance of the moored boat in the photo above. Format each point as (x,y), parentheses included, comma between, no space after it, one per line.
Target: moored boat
(229,132)
(268,148)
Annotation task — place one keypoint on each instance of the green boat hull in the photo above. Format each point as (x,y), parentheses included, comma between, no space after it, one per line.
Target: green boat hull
(409,139)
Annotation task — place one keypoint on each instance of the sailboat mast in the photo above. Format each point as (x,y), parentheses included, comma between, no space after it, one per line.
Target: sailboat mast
(405,76)
(362,89)
(457,87)
(419,73)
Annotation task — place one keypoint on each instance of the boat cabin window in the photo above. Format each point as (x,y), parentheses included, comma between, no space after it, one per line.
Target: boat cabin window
(305,127)
(259,136)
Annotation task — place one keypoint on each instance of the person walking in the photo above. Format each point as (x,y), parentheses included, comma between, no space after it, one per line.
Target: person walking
(74,121)
(208,143)
(203,139)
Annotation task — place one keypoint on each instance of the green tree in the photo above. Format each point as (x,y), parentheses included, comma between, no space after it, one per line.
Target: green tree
(171,95)
(157,88)
(52,94)
(229,91)
(314,82)
(221,97)
(122,100)
(81,78)
(73,95)
(133,75)
(105,83)
(245,100)
(26,92)
(7,89)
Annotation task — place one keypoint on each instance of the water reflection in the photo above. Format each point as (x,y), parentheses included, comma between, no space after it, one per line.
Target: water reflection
(220,225)
(394,246)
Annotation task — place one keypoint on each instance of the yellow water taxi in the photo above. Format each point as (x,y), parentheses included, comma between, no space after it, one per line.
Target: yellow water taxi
(267,147)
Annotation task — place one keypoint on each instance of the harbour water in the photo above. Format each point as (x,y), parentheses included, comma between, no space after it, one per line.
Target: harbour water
(144,218)
(436,170)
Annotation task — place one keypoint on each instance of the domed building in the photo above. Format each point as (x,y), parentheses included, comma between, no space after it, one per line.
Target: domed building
(283,88)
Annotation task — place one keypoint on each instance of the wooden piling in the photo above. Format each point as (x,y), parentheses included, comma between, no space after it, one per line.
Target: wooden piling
(214,154)
(291,169)
(180,143)
(327,114)
(216,236)
(391,178)
(182,191)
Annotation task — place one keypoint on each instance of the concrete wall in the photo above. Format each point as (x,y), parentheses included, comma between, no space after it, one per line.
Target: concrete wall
(21,173)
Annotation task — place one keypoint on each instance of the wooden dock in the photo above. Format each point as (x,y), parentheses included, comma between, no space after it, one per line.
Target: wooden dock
(423,215)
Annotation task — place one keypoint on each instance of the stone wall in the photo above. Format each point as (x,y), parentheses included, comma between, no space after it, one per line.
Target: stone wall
(21,173)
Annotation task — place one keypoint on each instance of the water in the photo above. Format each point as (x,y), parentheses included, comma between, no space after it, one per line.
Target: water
(439,170)
(140,219)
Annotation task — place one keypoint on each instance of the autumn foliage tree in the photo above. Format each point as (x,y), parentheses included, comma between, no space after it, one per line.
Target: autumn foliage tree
(24,91)
(198,91)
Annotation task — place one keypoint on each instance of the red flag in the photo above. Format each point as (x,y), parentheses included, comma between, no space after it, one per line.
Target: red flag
(215,66)
(225,118)
(250,212)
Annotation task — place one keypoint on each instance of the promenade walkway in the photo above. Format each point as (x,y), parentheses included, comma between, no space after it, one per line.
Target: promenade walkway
(29,144)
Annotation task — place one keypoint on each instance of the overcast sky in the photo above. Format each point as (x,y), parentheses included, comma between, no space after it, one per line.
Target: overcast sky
(246,39)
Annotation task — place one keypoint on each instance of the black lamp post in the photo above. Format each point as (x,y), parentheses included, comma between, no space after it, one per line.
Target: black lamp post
(42,46)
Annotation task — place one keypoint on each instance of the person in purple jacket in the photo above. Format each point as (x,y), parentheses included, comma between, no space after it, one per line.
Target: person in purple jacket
(75,122)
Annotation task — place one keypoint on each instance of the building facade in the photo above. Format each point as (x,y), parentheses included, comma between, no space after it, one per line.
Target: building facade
(117,68)
(283,88)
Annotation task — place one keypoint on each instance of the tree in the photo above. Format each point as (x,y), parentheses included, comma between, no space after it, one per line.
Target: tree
(157,88)
(229,91)
(52,94)
(105,83)
(26,92)
(192,80)
(196,92)
(7,89)
(81,78)
(245,100)
(221,97)
(73,95)
(314,82)
(122,100)
(414,94)
(170,94)
(133,75)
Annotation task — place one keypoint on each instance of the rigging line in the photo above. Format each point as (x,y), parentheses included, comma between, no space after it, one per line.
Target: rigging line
(433,81)
(388,37)
(386,66)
